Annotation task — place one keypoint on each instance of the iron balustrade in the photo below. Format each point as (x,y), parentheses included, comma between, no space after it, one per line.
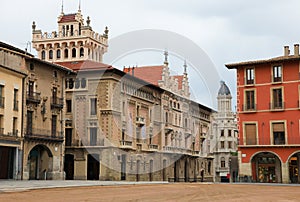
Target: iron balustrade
(33,97)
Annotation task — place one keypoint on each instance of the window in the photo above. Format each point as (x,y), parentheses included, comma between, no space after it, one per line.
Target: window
(93,106)
(68,136)
(15,107)
(54,95)
(50,54)
(250,76)
(30,88)
(15,130)
(53,125)
(77,83)
(229,144)
(1,96)
(222,144)
(71,84)
(69,106)
(229,133)
(72,30)
(277,99)
(277,74)
(278,133)
(58,54)
(81,53)
(74,53)
(250,133)
(93,136)
(29,122)
(222,133)
(43,55)
(83,83)
(55,74)
(1,125)
(222,162)
(250,100)
(66,53)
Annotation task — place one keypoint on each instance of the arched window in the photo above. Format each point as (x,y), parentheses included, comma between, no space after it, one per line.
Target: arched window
(71,84)
(77,83)
(81,52)
(74,53)
(66,53)
(64,30)
(58,54)
(43,55)
(72,30)
(83,83)
(50,54)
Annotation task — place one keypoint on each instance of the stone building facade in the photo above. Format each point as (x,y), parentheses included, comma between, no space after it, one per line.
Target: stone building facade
(118,125)
(224,141)
(11,88)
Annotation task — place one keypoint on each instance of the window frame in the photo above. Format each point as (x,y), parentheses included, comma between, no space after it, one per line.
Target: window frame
(249,76)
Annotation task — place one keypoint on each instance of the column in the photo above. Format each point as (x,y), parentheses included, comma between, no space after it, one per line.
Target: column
(285,173)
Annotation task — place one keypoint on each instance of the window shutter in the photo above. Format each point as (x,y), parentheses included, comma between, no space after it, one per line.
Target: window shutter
(250,130)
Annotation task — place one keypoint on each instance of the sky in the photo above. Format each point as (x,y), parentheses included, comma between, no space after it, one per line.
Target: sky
(226,30)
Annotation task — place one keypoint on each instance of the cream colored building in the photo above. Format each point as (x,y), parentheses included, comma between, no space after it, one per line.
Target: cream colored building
(118,125)
(11,88)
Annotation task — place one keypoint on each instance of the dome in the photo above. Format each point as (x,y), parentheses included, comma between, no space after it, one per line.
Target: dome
(224,90)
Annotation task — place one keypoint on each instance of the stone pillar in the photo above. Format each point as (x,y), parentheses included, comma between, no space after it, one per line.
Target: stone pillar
(285,172)
(80,169)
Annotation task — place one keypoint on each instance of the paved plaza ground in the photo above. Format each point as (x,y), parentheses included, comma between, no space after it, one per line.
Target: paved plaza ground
(122,191)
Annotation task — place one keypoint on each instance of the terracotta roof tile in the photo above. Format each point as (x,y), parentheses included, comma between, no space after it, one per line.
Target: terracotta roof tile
(68,18)
(85,65)
(151,74)
(180,79)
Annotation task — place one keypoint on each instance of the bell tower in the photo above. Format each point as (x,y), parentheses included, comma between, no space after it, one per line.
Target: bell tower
(74,40)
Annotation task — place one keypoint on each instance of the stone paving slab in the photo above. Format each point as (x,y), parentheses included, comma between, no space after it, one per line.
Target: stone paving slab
(15,186)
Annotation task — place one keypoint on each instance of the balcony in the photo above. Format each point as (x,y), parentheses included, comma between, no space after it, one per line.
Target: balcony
(279,106)
(2,102)
(57,103)
(42,135)
(153,147)
(195,153)
(33,97)
(140,120)
(168,128)
(125,144)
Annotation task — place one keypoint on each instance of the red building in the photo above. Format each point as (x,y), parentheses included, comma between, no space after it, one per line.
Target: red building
(268,93)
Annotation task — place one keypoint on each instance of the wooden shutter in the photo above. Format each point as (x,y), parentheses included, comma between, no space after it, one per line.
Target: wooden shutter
(278,127)
(250,130)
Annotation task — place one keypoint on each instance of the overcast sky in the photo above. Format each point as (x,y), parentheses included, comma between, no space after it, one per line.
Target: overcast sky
(227,30)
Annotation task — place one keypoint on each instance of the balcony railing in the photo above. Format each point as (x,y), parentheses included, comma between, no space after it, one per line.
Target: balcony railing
(125,144)
(33,97)
(2,99)
(43,135)
(153,147)
(140,120)
(277,106)
(57,103)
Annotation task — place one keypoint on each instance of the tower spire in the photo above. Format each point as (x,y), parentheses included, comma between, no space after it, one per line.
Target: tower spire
(62,6)
(166,58)
(185,67)
(79,6)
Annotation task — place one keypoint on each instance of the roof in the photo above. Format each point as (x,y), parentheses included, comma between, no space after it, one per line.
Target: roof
(58,66)
(68,18)
(151,74)
(179,79)
(10,47)
(263,61)
(224,90)
(85,65)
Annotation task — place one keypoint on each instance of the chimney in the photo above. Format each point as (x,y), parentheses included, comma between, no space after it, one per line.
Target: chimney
(286,51)
(296,49)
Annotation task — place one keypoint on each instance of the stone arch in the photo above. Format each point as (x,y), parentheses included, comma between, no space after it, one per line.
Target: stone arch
(293,162)
(266,167)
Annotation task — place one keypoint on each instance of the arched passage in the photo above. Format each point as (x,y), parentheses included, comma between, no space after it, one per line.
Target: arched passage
(40,162)
(294,165)
(266,168)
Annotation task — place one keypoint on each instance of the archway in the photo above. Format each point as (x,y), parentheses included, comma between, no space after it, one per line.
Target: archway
(294,165)
(40,162)
(266,168)
(69,166)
